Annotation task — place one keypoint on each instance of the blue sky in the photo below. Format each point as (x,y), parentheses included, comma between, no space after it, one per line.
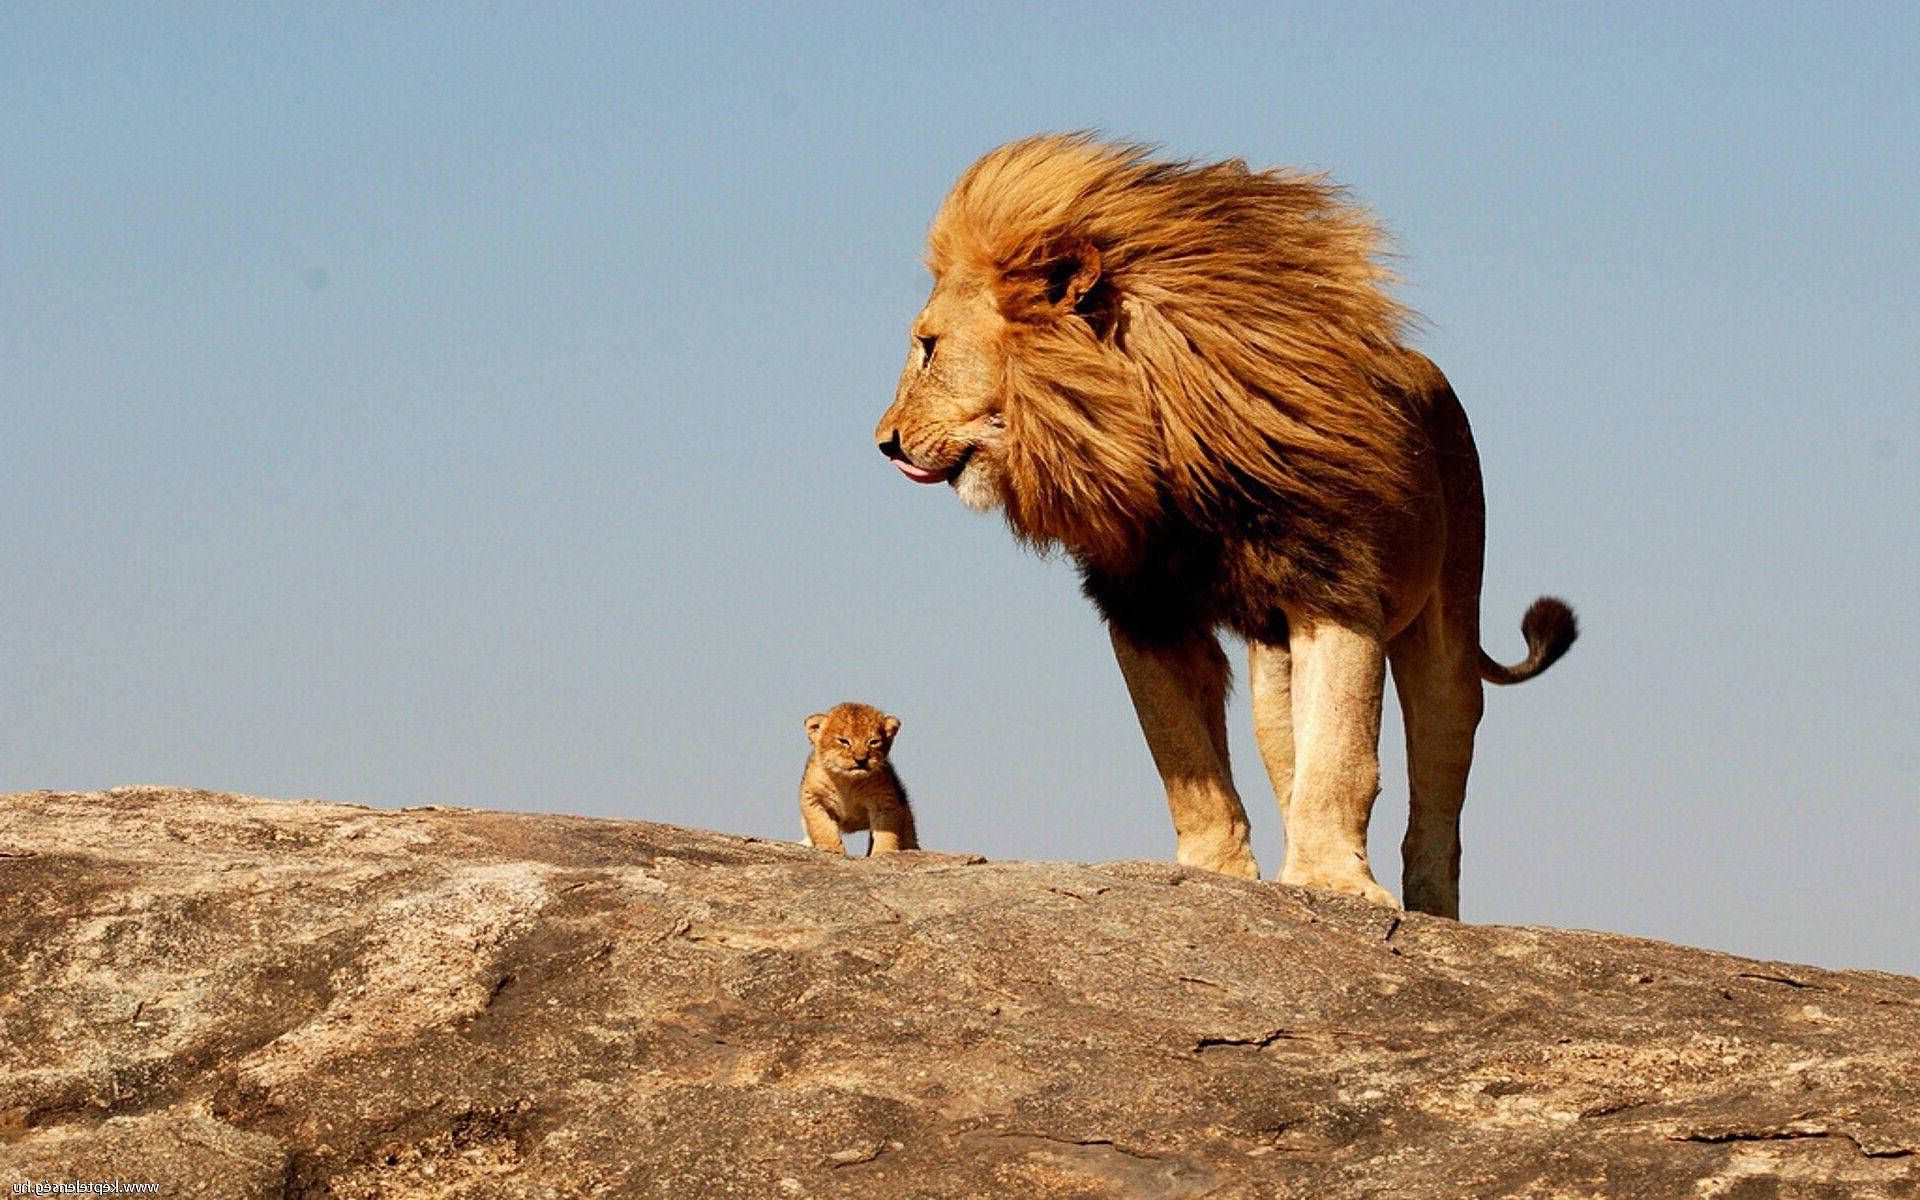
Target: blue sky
(472,405)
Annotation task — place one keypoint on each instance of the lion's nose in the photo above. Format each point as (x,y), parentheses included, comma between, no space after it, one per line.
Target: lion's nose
(891,447)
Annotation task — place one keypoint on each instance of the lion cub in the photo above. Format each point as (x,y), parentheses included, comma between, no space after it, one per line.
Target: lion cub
(850,786)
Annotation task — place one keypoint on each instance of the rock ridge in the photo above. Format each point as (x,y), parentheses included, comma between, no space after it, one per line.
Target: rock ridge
(235,997)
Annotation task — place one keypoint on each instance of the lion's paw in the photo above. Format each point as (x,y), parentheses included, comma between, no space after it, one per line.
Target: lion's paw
(1234,859)
(1242,867)
(1353,883)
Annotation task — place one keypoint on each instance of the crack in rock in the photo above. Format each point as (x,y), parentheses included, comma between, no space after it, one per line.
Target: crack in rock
(1723,1137)
(1785,979)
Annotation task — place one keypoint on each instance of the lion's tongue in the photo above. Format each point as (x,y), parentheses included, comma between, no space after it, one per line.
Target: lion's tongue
(919,474)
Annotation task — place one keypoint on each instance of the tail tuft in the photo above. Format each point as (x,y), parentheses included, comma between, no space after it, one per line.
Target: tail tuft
(1549,628)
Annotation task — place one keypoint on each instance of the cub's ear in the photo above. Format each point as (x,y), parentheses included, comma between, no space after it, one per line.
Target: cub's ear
(891,725)
(1072,275)
(814,723)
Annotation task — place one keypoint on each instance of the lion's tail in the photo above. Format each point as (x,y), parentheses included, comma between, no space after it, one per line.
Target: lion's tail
(1549,628)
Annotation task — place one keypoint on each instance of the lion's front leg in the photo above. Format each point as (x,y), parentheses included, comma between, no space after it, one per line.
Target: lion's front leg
(823,831)
(1179,692)
(1338,675)
(1270,685)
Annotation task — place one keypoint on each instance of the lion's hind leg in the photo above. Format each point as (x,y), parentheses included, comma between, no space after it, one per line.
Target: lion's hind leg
(1436,674)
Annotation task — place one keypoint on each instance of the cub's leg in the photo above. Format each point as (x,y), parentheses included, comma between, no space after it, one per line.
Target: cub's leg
(1179,692)
(1338,675)
(1270,680)
(893,830)
(1436,672)
(822,830)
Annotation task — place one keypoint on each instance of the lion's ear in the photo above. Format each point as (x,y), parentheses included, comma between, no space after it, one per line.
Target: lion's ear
(1072,276)
(814,723)
(891,725)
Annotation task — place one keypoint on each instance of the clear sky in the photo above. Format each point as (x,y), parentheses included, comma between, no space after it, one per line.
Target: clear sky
(473,405)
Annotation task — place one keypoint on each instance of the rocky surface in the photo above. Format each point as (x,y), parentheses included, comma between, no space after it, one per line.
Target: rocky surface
(232,997)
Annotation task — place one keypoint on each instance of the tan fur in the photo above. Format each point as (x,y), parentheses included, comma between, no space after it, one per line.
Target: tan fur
(1190,378)
(849,785)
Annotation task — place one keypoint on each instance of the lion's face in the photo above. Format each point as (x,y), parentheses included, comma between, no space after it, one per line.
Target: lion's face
(1017,393)
(852,739)
(1119,349)
(947,423)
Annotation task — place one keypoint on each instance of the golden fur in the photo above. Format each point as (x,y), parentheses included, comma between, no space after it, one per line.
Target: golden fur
(1230,354)
(849,785)
(1190,377)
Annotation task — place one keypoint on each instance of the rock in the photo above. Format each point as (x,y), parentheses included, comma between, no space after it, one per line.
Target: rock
(181,1155)
(261,998)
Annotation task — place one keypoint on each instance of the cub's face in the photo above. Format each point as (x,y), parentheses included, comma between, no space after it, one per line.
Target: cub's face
(852,739)
(945,424)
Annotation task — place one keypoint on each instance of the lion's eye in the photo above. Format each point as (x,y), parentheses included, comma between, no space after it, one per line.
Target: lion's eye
(873,741)
(926,350)
(845,742)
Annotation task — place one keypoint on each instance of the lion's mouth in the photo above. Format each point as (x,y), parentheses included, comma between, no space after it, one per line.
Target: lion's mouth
(920,474)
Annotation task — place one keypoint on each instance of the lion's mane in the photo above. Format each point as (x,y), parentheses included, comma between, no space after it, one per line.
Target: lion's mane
(1234,374)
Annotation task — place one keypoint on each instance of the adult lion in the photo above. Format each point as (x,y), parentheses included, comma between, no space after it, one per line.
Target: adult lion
(1191,379)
